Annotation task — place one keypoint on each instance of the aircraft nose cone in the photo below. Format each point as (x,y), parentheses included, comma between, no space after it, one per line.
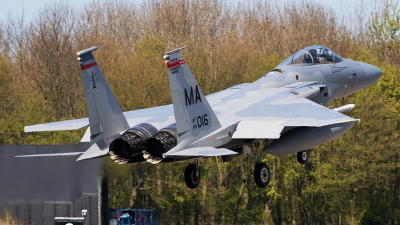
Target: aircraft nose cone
(372,73)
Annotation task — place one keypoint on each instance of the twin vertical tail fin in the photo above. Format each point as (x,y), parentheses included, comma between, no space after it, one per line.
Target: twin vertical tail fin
(106,118)
(193,114)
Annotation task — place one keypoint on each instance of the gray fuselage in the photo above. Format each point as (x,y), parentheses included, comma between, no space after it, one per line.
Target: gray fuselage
(342,78)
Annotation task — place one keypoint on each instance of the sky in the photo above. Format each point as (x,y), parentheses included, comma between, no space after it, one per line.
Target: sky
(29,7)
(16,7)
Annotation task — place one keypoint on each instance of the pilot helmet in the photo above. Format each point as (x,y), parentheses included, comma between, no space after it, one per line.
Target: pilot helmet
(313,52)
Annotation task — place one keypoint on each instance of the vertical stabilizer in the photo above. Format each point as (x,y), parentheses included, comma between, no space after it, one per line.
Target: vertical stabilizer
(105,114)
(193,114)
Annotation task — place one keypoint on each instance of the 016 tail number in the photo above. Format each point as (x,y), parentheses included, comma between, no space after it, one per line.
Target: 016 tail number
(200,121)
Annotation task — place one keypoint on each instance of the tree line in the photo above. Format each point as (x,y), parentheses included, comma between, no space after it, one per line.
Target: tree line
(352,180)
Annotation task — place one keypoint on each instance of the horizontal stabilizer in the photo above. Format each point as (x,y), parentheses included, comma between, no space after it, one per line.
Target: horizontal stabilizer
(93,152)
(51,154)
(201,152)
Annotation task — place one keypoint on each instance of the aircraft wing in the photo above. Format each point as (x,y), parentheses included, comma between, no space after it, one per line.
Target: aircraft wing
(133,117)
(60,125)
(271,111)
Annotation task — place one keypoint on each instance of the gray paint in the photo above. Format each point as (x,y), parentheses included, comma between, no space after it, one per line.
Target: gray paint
(105,115)
(285,106)
(192,111)
(305,138)
(291,96)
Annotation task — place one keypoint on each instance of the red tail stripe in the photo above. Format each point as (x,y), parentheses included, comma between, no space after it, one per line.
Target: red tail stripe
(89,65)
(175,64)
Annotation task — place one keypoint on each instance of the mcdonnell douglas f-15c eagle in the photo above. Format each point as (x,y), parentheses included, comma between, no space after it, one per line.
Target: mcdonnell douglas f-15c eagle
(284,108)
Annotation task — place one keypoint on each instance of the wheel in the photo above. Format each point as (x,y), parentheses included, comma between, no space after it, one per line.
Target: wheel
(192,176)
(302,157)
(261,175)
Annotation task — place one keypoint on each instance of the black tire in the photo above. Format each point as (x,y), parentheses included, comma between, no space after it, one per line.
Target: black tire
(302,157)
(261,175)
(192,176)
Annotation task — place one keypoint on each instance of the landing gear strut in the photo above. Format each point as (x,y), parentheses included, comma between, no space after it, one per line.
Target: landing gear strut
(261,171)
(302,157)
(192,175)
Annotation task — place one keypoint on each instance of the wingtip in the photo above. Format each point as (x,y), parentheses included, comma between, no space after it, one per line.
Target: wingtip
(26,129)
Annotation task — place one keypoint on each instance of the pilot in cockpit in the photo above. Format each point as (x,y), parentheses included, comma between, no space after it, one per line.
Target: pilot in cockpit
(321,55)
(307,58)
(314,55)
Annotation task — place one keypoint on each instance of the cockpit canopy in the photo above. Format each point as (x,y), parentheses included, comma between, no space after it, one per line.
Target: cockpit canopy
(312,55)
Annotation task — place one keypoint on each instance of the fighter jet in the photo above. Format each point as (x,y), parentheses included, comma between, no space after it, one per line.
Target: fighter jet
(284,109)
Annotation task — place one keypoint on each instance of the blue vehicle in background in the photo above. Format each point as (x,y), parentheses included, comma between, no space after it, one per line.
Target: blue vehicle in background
(132,217)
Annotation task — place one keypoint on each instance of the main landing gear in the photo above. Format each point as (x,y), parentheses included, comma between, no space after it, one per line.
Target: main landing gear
(192,175)
(302,157)
(262,175)
(261,171)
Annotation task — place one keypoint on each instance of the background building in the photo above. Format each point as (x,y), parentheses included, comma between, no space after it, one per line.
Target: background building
(39,189)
